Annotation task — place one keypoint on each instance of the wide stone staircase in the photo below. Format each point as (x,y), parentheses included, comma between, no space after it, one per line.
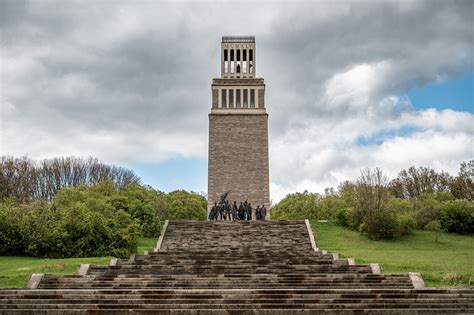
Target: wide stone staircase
(240,267)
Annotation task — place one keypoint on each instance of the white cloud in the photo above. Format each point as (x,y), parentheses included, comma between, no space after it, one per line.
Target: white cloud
(355,87)
(443,140)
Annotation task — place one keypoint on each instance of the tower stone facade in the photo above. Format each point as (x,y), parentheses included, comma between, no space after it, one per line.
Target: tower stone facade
(238,127)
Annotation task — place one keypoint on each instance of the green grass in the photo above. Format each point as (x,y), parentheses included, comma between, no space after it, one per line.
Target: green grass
(15,270)
(450,262)
(146,244)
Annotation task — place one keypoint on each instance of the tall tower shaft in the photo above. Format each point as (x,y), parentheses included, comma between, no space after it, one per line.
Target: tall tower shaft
(238,127)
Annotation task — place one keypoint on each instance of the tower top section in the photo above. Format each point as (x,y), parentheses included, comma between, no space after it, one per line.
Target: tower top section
(238,57)
(238,39)
(238,91)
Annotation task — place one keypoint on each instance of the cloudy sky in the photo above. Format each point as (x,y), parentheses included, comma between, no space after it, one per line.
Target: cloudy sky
(349,84)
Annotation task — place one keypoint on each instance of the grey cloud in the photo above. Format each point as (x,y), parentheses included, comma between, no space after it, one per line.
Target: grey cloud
(144,68)
(422,41)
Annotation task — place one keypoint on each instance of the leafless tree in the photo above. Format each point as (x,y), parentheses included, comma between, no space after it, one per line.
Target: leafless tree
(414,182)
(462,186)
(370,196)
(17,178)
(25,179)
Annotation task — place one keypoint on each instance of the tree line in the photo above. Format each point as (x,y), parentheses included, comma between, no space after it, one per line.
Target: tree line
(98,220)
(415,182)
(74,207)
(418,198)
(26,180)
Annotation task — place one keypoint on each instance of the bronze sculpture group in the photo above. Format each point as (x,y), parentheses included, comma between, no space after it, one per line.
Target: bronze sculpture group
(224,210)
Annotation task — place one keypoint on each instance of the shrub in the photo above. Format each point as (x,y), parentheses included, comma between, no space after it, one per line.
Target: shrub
(403,211)
(405,224)
(330,206)
(300,206)
(369,214)
(99,220)
(342,217)
(426,209)
(398,205)
(182,205)
(458,216)
(141,203)
(81,224)
(297,206)
(387,224)
(13,229)
(434,226)
(380,225)
(76,224)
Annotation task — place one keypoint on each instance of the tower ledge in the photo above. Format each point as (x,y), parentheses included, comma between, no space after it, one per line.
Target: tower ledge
(238,111)
(238,39)
(238,81)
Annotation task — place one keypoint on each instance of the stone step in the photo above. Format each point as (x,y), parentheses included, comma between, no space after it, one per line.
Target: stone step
(242,287)
(268,267)
(245,306)
(400,301)
(242,269)
(222,279)
(231,277)
(447,292)
(397,311)
(220,284)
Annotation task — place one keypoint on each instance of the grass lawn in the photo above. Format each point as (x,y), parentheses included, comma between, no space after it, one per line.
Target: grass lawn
(16,271)
(450,262)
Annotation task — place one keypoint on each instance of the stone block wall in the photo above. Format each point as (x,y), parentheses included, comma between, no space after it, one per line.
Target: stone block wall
(238,158)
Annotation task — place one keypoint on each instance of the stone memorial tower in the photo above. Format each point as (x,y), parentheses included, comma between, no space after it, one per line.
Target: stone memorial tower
(238,127)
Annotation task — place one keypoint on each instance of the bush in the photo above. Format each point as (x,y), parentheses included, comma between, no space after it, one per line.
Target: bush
(387,224)
(458,216)
(373,211)
(182,205)
(381,225)
(297,206)
(300,206)
(426,209)
(13,229)
(81,224)
(142,204)
(405,224)
(99,220)
(66,229)
(342,217)
(403,211)
(398,205)
(330,206)
(434,226)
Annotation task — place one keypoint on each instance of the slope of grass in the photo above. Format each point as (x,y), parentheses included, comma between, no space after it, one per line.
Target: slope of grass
(450,262)
(15,271)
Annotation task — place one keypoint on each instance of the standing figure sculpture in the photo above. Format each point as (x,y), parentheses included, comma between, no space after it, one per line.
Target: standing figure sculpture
(235,211)
(241,211)
(263,212)
(228,210)
(224,210)
(213,212)
(258,214)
